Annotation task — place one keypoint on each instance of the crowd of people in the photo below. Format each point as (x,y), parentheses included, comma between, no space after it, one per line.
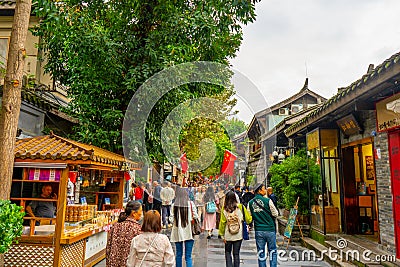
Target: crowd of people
(137,240)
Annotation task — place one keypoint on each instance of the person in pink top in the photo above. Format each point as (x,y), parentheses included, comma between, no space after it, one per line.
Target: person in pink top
(210,218)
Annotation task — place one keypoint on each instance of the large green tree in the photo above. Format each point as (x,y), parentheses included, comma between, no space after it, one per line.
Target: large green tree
(103,51)
(234,126)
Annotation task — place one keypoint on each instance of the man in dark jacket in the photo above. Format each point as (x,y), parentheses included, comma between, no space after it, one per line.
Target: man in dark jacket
(264,212)
(247,196)
(273,197)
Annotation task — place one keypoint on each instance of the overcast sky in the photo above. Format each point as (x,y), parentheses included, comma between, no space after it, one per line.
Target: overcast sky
(335,39)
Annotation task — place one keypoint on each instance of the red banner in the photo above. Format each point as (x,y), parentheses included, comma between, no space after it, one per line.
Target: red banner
(394,151)
(228,164)
(184,163)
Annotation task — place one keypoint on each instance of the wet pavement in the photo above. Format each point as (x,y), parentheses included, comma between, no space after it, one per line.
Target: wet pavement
(210,253)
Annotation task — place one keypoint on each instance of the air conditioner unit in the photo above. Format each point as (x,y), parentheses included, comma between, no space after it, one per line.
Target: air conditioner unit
(283,111)
(296,108)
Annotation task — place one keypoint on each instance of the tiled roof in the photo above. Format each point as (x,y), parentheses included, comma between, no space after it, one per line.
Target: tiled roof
(10,4)
(287,121)
(38,99)
(303,91)
(53,147)
(346,92)
(30,97)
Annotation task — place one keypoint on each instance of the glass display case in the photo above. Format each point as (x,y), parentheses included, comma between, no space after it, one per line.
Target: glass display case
(322,145)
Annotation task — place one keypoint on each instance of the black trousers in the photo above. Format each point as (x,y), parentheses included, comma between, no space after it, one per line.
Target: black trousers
(236,251)
(157,205)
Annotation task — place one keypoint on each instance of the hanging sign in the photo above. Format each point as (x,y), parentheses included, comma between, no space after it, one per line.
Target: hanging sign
(388,113)
(349,125)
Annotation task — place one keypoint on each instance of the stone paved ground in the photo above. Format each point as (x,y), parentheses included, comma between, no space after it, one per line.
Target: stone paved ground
(210,253)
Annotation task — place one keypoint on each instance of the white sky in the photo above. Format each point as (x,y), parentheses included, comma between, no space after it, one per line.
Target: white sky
(336,39)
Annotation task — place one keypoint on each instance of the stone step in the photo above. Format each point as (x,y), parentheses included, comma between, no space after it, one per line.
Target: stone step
(323,250)
(362,254)
(362,244)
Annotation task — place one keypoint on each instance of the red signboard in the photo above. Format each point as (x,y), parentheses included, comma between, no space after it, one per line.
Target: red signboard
(394,151)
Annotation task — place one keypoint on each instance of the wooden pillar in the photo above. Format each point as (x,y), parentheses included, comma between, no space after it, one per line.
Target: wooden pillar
(61,207)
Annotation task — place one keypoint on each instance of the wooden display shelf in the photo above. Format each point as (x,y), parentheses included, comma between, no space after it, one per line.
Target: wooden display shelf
(36,181)
(72,239)
(32,198)
(49,239)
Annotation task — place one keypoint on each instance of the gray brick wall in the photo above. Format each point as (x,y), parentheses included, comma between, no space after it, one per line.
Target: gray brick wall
(384,192)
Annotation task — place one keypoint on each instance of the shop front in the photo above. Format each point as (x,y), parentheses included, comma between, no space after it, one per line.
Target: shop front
(86,191)
(359,186)
(388,120)
(322,145)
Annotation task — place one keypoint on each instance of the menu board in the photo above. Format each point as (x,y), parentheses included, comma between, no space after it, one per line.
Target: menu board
(369,166)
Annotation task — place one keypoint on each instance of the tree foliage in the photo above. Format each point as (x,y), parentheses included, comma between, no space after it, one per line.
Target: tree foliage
(290,180)
(103,51)
(11,220)
(234,126)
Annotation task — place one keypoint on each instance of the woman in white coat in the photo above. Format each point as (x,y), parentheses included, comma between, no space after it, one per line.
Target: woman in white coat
(183,212)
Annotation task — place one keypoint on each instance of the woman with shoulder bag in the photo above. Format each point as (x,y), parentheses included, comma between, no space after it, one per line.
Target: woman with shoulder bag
(121,234)
(151,249)
(231,228)
(183,212)
(210,218)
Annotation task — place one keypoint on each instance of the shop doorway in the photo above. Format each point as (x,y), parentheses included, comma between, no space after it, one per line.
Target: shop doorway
(359,184)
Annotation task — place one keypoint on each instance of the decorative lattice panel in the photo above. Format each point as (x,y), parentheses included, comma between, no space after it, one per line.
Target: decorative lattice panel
(72,255)
(21,255)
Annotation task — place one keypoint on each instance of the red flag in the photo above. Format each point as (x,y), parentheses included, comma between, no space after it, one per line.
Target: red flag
(184,163)
(228,163)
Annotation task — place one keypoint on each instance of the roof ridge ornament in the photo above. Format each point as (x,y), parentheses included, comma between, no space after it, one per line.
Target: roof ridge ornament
(305,86)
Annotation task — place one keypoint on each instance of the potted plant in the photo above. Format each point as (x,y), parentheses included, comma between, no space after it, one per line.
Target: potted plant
(11,220)
(291,179)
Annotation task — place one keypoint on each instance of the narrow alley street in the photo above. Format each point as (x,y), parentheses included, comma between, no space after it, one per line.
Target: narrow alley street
(210,253)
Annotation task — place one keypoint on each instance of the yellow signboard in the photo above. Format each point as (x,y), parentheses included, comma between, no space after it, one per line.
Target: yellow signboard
(388,113)
(313,140)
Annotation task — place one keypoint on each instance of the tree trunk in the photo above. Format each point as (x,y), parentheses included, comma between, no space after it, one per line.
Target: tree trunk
(11,101)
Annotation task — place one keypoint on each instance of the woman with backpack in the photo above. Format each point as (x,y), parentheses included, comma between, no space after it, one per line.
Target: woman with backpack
(183,212)
(210,201)
(231,227)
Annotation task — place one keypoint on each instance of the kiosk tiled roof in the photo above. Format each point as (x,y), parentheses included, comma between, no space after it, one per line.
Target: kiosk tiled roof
(53,147)
(346,94)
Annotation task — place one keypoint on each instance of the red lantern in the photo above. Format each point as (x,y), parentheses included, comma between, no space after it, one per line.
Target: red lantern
(73,175)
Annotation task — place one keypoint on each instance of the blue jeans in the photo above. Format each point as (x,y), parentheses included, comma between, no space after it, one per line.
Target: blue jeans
(188,253)
(165,212)
(263,238)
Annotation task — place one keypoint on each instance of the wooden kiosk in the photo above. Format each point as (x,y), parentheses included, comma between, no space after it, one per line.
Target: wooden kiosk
(89,184)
